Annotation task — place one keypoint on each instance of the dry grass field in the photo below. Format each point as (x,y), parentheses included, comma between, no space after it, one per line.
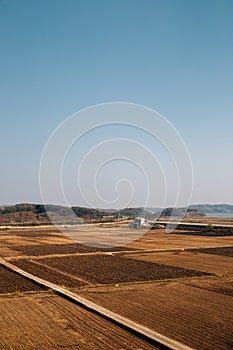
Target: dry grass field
(45,321)
(197,317)
(179,284)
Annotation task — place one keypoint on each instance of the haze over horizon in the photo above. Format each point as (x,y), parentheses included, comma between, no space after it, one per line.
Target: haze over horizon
(175,57)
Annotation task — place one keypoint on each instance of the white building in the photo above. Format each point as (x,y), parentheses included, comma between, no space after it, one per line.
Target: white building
(138,222)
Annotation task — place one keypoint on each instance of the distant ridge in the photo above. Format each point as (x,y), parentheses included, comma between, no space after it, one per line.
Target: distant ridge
(204,208)
(213,208)
(37,214)
(182,212)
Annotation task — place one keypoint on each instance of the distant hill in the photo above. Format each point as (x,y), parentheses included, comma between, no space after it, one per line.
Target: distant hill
(182,212)
(204,208)
(37,214)
(26,214)
(213,208)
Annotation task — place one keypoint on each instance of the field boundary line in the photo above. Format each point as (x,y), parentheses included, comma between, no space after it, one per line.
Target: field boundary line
(60,272)
(125,323)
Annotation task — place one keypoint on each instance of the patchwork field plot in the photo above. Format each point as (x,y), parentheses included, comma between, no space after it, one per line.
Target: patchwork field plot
(47,249)
(196,317)
(205,232)
(73,248)
(189,297)
(219,285)
(225,251)
(216,264)
(11,282)
(105,269)
(48,322)
(49,274)
(157,239)
(35,234)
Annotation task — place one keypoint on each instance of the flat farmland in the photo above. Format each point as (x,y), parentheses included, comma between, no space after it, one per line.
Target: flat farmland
(179,285)
(223,285)
(45,321)
(159,240)
(224,251)
(199,318)
(196,260)
(105,269)
(211,220)
(154,239)
(62,249)
(50,274)
(11,282)
(11,238)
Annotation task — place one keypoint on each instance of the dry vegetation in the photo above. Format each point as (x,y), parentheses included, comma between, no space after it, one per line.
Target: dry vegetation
(197,296)
(47,322)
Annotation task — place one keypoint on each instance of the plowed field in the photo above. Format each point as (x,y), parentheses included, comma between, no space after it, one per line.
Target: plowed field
(196,317)
(73,248)
(11,282)
(49,274)
(216,264)
(48,322)
(225,251)
(105,269)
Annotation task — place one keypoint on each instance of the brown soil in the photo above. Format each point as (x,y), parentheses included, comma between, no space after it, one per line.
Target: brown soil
(220,265)
(157,239)
(225,251)
(219,285)
(36,234)
(48,322)
(48,249)
(11,282)
(49,274)
(154,239)
(216,232)
(22,237)
(193,316)
(209,220)
(195,309)
(106,269)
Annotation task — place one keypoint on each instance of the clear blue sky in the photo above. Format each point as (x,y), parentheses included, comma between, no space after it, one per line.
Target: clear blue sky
(175,56)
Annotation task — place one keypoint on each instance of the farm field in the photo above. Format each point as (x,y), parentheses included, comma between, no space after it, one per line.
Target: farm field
(175,284)
(194,260)
(197,317)
(211,220)
(105,269)
(10,282)
(60,249)
(29,240)
(158,240)
(50,274)
(45,321)
(224,251)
